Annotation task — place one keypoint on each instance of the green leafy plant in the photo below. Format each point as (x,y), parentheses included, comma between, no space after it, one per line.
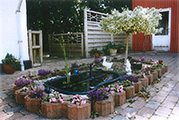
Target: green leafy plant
(126,83)
(112,45)
(93,51)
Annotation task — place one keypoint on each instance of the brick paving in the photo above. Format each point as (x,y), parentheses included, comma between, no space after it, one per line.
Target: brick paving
(162,105)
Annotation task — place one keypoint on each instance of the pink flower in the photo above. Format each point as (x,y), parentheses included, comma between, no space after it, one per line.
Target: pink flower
(112,88)
(117,90)
(77,103)
(50,100)
(107,89)
(54,99)
(121,90)
(144,75)
(132,82)
(149,72)
(112,92)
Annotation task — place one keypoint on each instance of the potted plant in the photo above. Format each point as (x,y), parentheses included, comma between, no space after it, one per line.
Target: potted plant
(44,73)
(34,98)
(78,109)
(21,82)
(144,79)
(52,105)
(101,102)
(95,52)
(129,88)
(118,92)
(135,80)
(11,64)
(112,48)
(148,74)
(20,94)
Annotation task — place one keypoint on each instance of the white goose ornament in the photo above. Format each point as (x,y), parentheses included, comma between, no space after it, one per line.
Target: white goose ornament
(106,64)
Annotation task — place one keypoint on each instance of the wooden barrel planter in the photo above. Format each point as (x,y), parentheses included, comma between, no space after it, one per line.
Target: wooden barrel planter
(130,91)
(32,104)
(150,78)
(159,73)
(16,88)
(104,107)
(163,69)
(166,68)
(145,81)
(138,86)
(19,96)
(79,112)
(119,98)
(155,75)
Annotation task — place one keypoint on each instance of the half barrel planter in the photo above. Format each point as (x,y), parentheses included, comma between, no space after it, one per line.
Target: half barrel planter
(19,96)
(130,91)
(52,110)
(163,69)
(104,107)
(150,78)
(79,112)
(166,68)
(32,104)
(159,73)
(119,98)
(155,74)
(145,81)
(138,86)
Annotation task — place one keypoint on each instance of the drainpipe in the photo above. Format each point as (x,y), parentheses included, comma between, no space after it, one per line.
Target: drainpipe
(18,19)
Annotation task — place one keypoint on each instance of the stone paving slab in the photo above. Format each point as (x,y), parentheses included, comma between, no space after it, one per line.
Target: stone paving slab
(163,104)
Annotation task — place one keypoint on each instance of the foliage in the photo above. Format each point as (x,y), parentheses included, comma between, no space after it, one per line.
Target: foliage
(114,89)
(36,92)
(54,97)
(97,62)
(144,93)
(112,45)
(43,72)
(147,70)
(141,75)
(98,95)
(126,83)
(131,78)
(78,100)
(24,89)
(93,51)
(12,61)
(29,76)
(21,82)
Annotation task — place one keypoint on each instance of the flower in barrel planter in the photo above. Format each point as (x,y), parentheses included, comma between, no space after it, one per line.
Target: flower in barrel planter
(11,64)
(119,94)
(101,102)
(52,105)
(148,74)
(129,88)
(78,109)
(33,99)
(20,94)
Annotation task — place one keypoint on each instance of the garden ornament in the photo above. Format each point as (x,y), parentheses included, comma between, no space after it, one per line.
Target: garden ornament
(128,67)
(106,64)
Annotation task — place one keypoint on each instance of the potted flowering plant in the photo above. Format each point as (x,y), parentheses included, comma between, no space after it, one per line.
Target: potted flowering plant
(21,82)
(142,77)
(101,102)
(33,99)
(129,88)
(112,48)
(44,73)
(78,108)
(118,92)
(11,64)
(95,52)
(20,94)
(52,105)
(135,80)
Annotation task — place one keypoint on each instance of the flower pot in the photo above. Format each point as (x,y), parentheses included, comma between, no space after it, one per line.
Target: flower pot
(163,69)
(155,74)
(97,55)
(166,68)
(130,91)
(8,69)
(112,51)
(119,98)
(52,110)
(138,86)
(150,78)
(145,81)
(16,88)
(79,112)
(19,96)
(104,107)
(159,73)
(32,104)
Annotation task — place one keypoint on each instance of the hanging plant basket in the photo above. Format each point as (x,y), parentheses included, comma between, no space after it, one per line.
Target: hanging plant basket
(8,69)
(130,91)
(32,104)
(120,98)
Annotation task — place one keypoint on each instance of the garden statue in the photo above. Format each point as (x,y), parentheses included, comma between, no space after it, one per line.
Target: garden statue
(106,64)
(128,67)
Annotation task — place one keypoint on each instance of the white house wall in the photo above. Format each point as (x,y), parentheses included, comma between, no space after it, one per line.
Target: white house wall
(8,29)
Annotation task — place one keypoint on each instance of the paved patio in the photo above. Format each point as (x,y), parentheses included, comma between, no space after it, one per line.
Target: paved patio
(162,105)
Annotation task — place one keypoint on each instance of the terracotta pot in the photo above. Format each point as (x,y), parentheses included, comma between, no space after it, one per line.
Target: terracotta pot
(166,68)
(163,69)
(112,51)
(138,86)
(16,88)
(79,112)
(159,73)
(32,104)
(19,96)
(145,81)
(130,91)
(8,69)
(97,55)
(150,78)
(52,110)
(104,107)
(155,75)
(119,98)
